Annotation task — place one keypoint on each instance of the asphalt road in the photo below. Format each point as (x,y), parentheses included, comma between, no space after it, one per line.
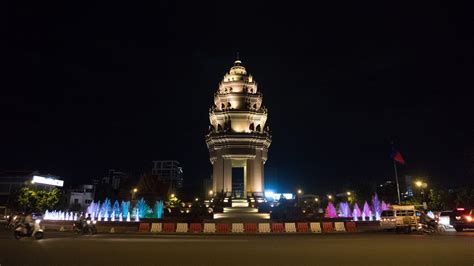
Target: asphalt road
(334,249)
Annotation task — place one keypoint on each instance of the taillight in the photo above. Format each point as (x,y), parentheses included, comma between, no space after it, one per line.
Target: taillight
(468,218)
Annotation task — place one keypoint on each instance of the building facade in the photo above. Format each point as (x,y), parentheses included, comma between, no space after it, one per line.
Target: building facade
(114,179)
(12,181)
(238,138)
(81,196)
(169,172)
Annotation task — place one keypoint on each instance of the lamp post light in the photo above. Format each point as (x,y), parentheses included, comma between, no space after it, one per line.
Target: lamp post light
(211,193)
(134,190)
(421,185)
(330,197)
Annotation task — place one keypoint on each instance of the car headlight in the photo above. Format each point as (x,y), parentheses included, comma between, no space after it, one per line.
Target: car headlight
(37,221)
(94,222)
(88,222)
(458,217)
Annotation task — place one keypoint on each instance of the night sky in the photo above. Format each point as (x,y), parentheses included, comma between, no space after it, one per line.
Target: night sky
(92,86)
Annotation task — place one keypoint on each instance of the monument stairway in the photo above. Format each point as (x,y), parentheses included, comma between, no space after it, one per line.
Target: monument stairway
(240,211)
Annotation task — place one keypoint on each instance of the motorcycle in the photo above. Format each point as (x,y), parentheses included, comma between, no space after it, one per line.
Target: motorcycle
(22,231)
(427,228)
(13,222)
(85,228)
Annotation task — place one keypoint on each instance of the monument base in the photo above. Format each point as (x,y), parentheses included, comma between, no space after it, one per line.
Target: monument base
(240,211)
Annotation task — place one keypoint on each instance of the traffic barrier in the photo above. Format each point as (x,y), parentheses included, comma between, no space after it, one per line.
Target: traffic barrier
(290,228)
(144,228)
(182,228)
(278,228)
(328,227)
(351,227)
(315,227)
(168,227)
(339,227)
(222,228)
(250,228)
(156,227)
(264,228)
(237,228)
(209,228)
(195,228)
(302,227)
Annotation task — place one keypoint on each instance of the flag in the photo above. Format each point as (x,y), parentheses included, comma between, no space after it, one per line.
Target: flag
(397,156)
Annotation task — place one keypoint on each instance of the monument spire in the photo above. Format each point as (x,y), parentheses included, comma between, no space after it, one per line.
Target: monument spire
(238,137)
(237,61)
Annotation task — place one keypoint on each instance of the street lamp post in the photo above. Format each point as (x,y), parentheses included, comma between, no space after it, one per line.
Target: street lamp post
(135,190)
(421,185)
(299,193)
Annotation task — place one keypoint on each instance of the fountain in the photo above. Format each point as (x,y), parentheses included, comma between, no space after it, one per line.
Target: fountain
(365,211)
(344,210)
(59,215)
(356,212)
(116,209)
(158,210)
(137,219)
(105,212)
(125,208)
(377,206)
(142,208)
(330,211)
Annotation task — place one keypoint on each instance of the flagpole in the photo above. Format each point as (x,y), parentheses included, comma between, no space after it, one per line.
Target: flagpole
(396,178)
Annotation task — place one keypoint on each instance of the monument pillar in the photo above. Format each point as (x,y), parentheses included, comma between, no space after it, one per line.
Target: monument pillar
(238,135)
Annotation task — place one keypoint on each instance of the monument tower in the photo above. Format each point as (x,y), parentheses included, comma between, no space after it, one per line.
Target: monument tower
(238,139)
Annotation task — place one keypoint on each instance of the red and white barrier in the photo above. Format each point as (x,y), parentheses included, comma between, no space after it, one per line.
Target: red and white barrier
(181,228)
(278,228)
(195,228)
(169,227)
(315,228)
(222,228)
(264,228)
(351,227)
(250,228)
(144,228)
(339,227)
(302,227)
(156,228)
(290,228)
(209,228)
(328,227)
